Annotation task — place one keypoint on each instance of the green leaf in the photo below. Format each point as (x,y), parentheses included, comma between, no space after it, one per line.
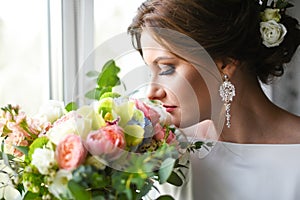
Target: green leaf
(97,92)
(9,156)
(165,197)
(110,94)
(174,179)
(5,159)
(31,196)
(2,146)
(264,5)
(93,94)
(38,143)
(198,144)
(145,189)
(289,5)
(281,4)
(23,149)
(92,73)
(78,191)
(71,106)
(166,169)
(109,75)
(209,144)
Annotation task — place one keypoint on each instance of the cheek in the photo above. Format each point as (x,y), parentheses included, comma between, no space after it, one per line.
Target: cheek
(192,101)
(194,98)
(203,95)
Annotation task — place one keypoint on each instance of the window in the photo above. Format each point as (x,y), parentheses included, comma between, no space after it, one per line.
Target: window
(24,53)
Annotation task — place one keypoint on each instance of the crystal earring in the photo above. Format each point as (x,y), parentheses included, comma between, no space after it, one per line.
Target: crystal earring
(227,92)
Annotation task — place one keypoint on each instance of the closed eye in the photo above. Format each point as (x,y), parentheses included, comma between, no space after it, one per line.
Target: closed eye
(166,69)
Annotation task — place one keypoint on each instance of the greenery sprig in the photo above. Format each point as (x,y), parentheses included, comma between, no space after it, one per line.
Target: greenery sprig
(107,79)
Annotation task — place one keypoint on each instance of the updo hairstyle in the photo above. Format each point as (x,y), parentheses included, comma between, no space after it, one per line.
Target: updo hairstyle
(225,28)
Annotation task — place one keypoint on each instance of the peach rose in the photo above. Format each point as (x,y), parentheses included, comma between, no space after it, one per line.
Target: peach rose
(108,142)
(149,112)
(70,152)
(160,132)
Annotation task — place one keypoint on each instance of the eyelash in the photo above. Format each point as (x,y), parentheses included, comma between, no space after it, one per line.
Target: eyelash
(170,69)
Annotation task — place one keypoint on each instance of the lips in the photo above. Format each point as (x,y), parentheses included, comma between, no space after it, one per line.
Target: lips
(169,108)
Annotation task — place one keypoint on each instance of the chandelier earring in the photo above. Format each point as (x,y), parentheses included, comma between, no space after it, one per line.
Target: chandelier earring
(227,92)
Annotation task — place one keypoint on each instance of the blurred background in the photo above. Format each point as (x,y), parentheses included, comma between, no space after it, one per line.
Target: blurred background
(44,42)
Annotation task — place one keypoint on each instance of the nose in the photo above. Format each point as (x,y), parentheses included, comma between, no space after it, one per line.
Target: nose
(156,92)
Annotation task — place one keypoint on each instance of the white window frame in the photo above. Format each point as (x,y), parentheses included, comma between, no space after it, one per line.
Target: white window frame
(71,39)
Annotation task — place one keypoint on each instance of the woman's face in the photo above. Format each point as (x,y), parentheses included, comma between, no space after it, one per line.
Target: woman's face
(178,85)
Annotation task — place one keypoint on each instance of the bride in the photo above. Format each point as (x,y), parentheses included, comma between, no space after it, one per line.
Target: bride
(207,58)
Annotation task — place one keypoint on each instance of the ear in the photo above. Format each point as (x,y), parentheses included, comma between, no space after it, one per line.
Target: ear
(227,66)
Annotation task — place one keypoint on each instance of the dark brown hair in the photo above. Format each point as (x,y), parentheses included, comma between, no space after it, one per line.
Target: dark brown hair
(225,28)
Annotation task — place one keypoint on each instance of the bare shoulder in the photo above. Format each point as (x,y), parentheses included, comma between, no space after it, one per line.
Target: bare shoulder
(290,129)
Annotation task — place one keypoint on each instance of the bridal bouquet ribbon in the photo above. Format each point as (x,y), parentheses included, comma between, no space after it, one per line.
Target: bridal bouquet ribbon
(113,148)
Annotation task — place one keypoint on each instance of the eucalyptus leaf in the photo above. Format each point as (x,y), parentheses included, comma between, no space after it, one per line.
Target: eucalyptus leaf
(280,4)
(110,94)
(31,196)
(146,188)
(9,156)
(109,75)
(93,94)
(289,5)
(71,106)
(5,159)
(78,191)
(165,197)
(198,144)
(174,179)
(2,146)
(23,149)
(264,5)
(99,197)
(96,93)
(166,169)
(92,73)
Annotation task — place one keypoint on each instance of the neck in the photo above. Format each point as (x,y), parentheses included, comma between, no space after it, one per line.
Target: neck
(252,114)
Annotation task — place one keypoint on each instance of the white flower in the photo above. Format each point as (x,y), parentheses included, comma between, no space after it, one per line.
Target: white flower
(272,33)
(43,160)
(7,189)
(89,113)
(59,186)
(72,123)
(52,110)
(9,192)
(270,14)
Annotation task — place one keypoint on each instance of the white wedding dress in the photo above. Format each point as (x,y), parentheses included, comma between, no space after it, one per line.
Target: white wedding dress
(233,171)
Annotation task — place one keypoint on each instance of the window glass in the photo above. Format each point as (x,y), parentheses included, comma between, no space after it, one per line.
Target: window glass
(112,19)
(24,53)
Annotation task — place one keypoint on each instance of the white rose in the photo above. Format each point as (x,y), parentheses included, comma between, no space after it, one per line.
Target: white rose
(90,113)
(7,189)
(270,14)
(272,33)
(52,110)
(72,123)
(43,160)
(9,192)
(59,186)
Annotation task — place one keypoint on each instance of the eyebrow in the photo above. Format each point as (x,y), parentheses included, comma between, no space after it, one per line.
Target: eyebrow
(162,58)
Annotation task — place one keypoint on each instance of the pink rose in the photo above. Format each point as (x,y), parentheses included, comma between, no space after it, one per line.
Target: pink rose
(149,112)
(160,132)
(108,141)
(16,138)
(70,152)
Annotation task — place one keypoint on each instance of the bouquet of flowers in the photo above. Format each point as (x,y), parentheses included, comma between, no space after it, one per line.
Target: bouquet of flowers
(114,148)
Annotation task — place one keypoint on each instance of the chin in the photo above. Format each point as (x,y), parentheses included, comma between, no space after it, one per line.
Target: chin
(184,123)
